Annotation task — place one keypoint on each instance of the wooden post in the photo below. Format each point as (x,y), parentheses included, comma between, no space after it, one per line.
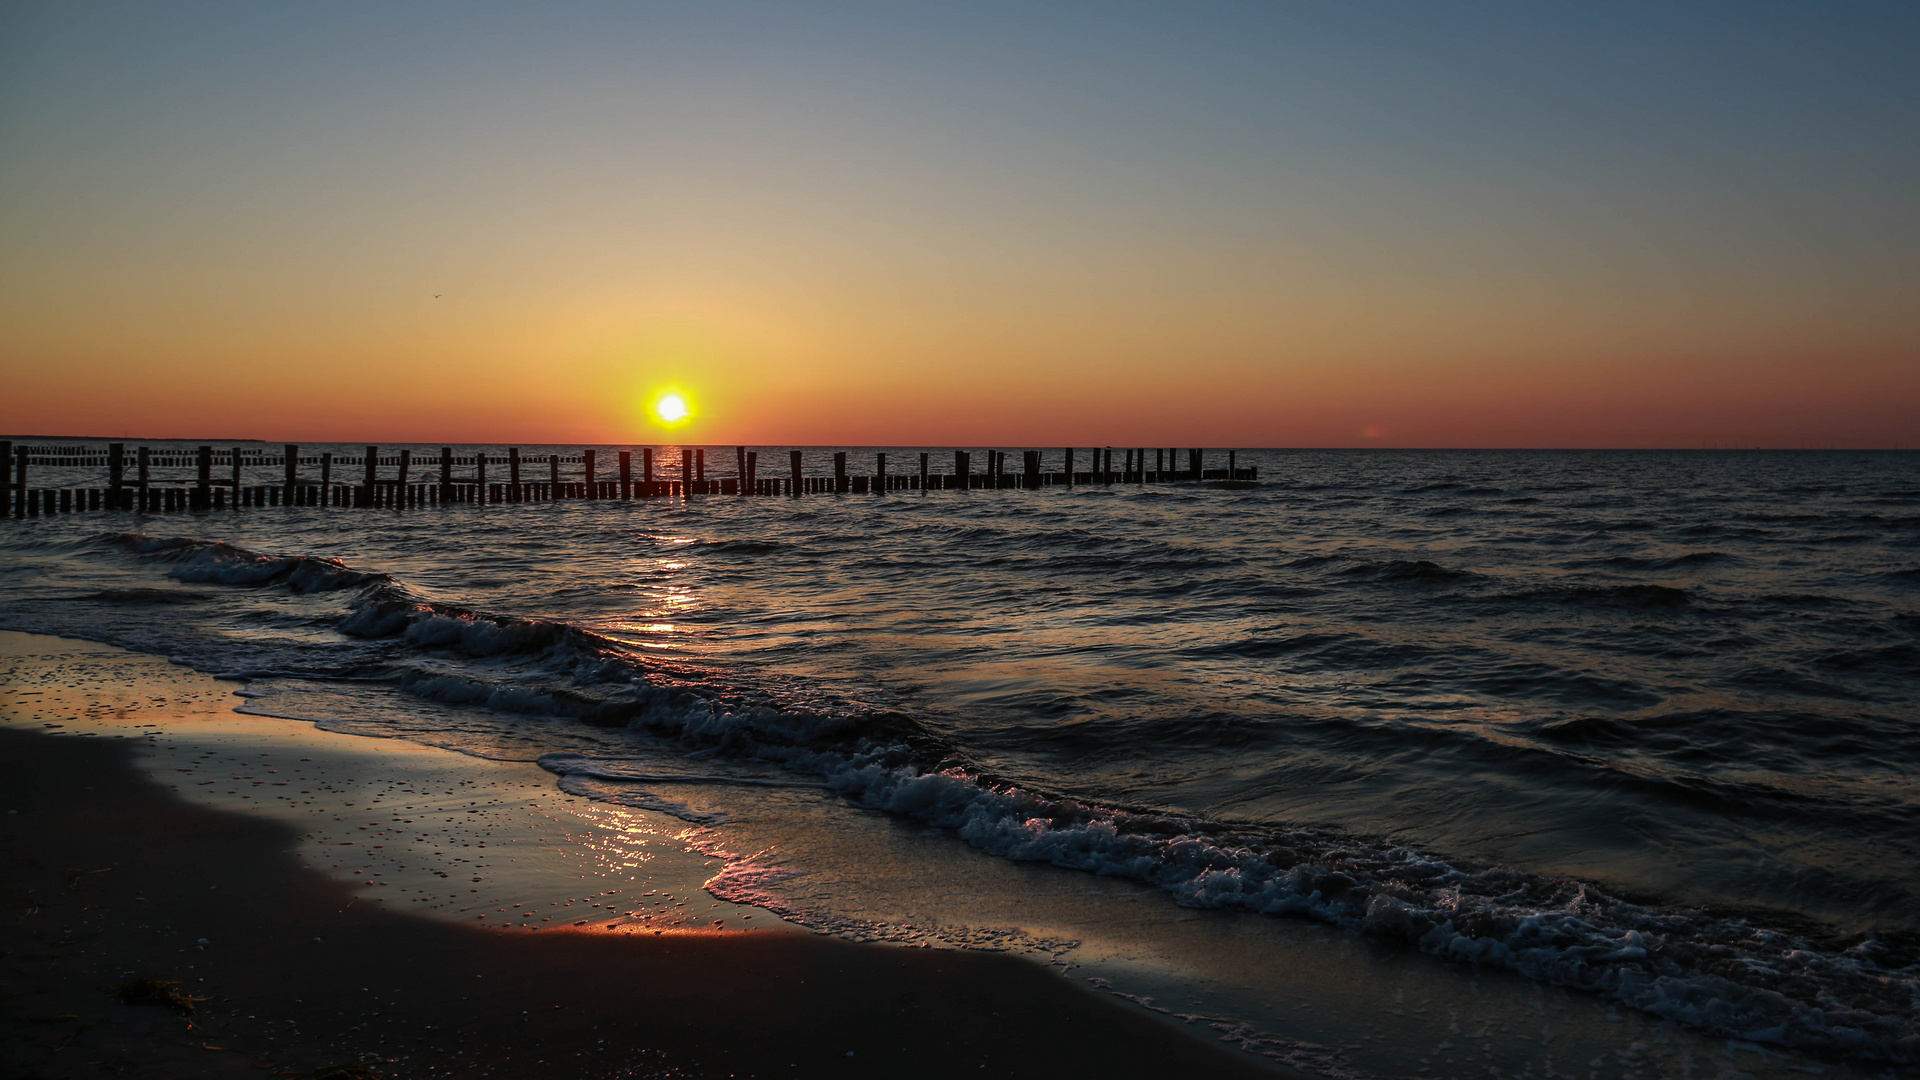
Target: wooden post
(923,470)
(446,474)
(400,493)
(553,472)
(740,469)
(1033,468)
(686,471)
(6,477)
(235,483)
(962,470)
(840,471)
(1194,463)
(292,456)
(753,468)
(626,474)
(144,461)
(1230,456)
(326,481)
(593,485)
(513,474)
(480,476)
(203,485)
(1069,466)
(879,474)
(116,474)
(372,475)
(794,459)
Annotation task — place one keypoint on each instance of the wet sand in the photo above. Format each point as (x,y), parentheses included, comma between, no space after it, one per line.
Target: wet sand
(380,903)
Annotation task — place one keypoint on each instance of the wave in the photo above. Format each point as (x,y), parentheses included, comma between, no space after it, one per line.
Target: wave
(744,547)
(1723,974)
(1342,650)
(1671,562)
(215,562)
(142,596)
(1612,596)
(1893,658)
(1726,974)
(1408,570)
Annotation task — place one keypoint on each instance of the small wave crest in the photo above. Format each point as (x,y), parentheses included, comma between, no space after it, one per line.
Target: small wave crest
(1650,597)
(1407,570)
(143,596)
(216,562)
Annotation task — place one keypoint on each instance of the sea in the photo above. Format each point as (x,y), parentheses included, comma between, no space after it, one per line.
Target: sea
(1641,728)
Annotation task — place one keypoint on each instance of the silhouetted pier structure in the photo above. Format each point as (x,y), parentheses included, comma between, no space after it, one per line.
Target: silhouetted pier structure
(148,480)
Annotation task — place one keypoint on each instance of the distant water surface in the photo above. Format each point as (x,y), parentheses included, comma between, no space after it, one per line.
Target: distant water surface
(1578,714)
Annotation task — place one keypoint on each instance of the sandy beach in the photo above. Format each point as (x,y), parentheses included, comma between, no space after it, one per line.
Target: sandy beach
(330,912)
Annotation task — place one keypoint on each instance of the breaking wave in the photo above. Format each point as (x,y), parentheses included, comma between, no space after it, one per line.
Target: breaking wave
(1727,974)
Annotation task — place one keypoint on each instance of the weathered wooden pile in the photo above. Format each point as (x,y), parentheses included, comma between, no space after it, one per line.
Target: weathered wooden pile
(132,483)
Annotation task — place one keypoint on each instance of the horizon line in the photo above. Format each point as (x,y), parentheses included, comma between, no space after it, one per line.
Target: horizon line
(1704,447)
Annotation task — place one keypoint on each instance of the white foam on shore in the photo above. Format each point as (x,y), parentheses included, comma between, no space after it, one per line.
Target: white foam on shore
(1724,975)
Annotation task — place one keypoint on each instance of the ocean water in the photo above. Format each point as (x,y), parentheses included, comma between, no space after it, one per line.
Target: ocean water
(1644,726)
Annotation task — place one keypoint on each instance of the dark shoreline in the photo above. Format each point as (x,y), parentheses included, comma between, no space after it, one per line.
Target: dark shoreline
(428,998)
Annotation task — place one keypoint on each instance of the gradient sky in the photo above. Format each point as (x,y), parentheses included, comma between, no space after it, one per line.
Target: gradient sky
(1253,224)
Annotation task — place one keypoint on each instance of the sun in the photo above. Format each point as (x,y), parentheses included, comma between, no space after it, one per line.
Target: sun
(671,409)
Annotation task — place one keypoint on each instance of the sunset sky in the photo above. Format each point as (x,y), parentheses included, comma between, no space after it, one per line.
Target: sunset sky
(1253,224)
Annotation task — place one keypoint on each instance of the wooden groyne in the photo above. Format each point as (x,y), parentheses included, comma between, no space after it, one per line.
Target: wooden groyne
(147,480)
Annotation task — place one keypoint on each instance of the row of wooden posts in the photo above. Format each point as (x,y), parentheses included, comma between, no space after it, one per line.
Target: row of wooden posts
(141,491)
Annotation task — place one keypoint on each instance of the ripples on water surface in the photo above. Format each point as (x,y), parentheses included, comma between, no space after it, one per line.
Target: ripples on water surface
(1424,693)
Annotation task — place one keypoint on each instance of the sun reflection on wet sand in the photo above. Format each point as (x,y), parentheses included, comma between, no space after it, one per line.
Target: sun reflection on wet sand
(430,831)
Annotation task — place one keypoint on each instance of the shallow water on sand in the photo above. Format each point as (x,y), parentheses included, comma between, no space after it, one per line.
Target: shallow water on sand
(1642,723)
